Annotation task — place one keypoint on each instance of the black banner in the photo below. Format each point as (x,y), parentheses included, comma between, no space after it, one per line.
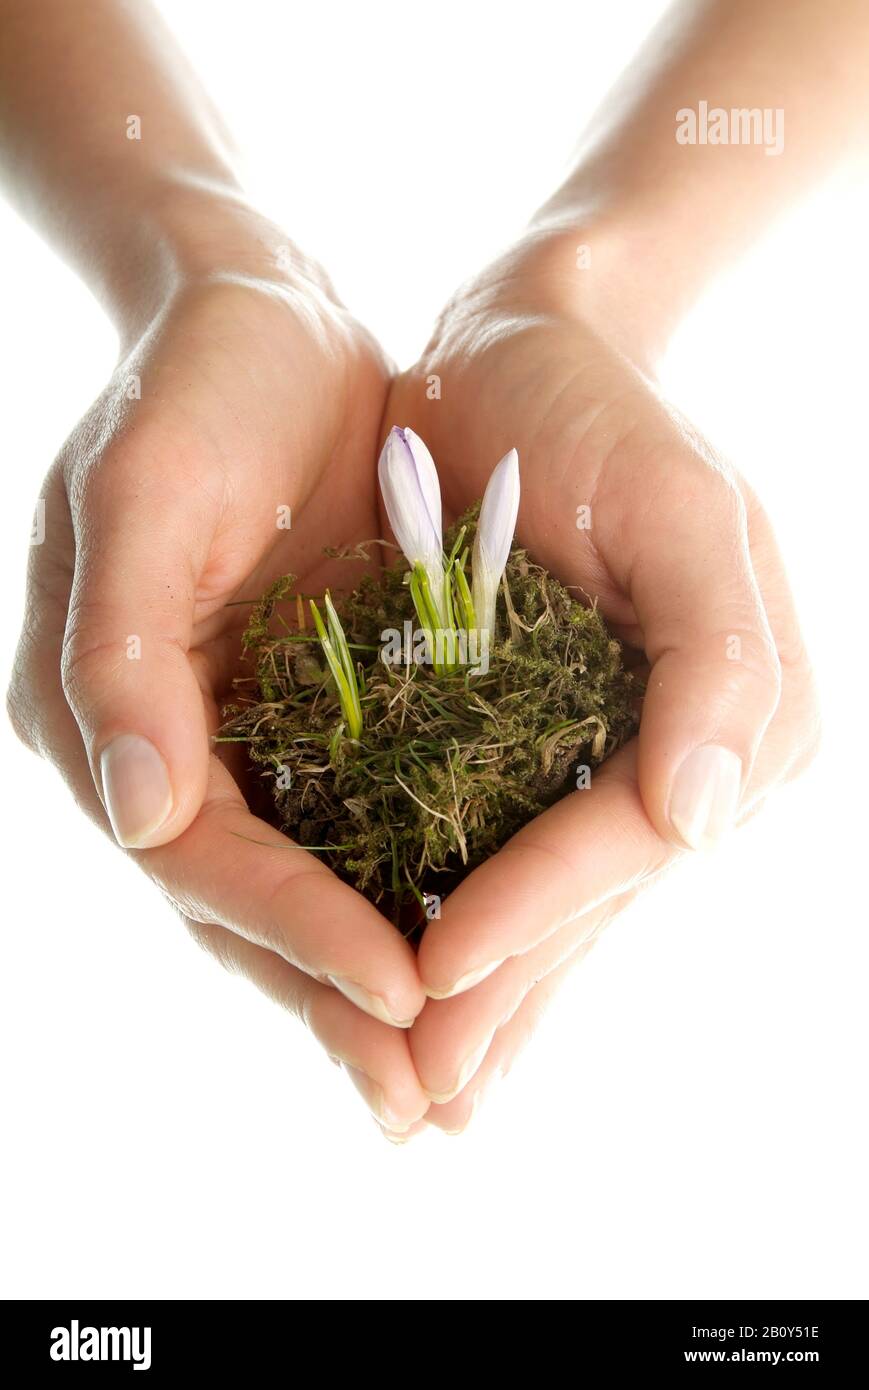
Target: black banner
(156,1339)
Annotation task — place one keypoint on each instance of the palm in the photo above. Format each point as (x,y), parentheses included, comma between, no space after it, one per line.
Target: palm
(251,414)
(235,427)
(560,397)
(621,498)
(285,441)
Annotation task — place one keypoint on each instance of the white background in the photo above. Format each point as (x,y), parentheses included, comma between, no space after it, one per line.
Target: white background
(690,1121)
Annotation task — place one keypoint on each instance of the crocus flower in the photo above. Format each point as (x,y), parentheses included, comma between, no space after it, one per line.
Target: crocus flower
(412,497)
(497,522)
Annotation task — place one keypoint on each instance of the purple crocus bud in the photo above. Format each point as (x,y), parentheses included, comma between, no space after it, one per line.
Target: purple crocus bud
(412,497)
(494,537)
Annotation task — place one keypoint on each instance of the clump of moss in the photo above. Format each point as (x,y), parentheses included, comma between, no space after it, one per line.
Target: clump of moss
(449,766)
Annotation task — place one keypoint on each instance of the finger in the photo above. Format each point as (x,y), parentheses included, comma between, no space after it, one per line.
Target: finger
(403,1136)
(249,882)
(684,560)
(451,1037)
(375,1057)
(140,550)
(45,722)
(591,846)
(667,554)
(794,734)
(508,1042)
(37,708)
(233,870)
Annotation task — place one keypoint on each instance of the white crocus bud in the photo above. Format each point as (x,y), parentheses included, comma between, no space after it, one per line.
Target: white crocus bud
(412,497)
(495,528)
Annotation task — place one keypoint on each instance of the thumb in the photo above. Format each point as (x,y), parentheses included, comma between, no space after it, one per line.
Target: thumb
(126,671)
(715,678)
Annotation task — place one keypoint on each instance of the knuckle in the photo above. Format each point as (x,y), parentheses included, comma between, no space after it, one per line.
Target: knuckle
(89,664)
(809,749)
(804,715)
(308,1008)
(32,690)
(216,943)
(764,667)
(20,711)
(752,667)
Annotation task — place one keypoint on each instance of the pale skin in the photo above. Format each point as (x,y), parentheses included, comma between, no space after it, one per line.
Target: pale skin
(260,390)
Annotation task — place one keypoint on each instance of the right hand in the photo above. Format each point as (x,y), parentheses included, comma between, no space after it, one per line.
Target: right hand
(682,561)
(256,392)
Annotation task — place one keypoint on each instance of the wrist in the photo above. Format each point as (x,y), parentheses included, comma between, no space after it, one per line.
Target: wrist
(187,234)
(611,273)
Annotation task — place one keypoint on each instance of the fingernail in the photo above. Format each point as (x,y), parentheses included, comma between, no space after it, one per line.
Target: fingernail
(398,1136)
(367,1002)
(468,1069)
(705,795)
(136,789)
(473,977)
(479,1095)
(374,1098)
(475,1103)
(394,1136)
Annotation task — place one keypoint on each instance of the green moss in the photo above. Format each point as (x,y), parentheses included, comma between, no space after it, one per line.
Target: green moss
(449,767)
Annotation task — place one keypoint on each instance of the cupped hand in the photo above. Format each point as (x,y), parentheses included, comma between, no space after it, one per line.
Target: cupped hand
(234,441)
(622,498)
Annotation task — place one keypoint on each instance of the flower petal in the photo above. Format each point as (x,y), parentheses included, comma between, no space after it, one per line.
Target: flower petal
(428,478)
(411,496)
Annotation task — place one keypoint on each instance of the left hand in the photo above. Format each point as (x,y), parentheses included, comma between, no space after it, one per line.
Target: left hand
(166,512)
(683,562)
